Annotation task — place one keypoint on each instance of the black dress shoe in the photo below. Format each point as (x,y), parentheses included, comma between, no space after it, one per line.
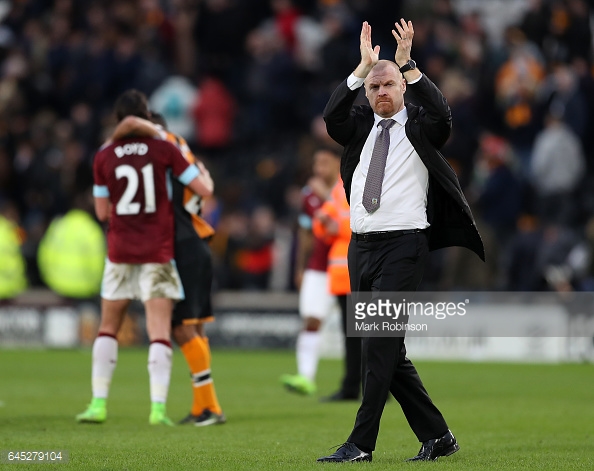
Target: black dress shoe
(346,452)
(433,449)
(340,396)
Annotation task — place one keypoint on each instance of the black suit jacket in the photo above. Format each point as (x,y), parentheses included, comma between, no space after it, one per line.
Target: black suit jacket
(428,128)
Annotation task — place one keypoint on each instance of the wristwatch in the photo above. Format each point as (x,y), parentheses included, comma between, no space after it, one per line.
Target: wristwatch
(410,65)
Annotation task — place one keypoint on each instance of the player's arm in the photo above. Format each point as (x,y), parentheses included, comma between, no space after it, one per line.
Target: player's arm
(102,208)
(194,176)
(138,127)
(100,191)
(304,248)
(102,203)
(203,184)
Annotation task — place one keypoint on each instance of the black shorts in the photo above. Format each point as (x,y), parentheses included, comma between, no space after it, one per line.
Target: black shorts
(194,264)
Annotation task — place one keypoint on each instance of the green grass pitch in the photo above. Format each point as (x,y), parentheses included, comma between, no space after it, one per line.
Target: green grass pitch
(505,416)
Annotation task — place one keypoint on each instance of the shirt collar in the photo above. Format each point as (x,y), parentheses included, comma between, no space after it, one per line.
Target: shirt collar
(401,117)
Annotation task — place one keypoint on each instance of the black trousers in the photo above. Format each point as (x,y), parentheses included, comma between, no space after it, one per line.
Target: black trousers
(351,382)
(391,265)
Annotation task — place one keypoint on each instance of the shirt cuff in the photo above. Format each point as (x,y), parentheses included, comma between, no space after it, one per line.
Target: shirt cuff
(415,80)
(189,174)
(100,191)
(354,82)
(304,221)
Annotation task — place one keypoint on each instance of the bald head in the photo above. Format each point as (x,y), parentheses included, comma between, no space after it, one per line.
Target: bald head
(383,66)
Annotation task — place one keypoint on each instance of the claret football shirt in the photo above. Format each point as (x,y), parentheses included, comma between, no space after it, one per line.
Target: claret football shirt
(134,174)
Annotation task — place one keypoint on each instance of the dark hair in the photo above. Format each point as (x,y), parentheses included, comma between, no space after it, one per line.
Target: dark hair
(131,103)
(158,118)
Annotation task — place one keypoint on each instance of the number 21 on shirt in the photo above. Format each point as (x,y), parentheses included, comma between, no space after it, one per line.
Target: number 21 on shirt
(125,205)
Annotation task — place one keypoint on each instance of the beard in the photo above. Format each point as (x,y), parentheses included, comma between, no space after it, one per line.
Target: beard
(384,107)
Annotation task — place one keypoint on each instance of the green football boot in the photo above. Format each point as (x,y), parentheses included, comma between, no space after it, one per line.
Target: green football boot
(298,384)
(96,413)
(158,415)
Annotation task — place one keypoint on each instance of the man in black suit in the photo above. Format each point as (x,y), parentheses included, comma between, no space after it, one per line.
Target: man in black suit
(405,200)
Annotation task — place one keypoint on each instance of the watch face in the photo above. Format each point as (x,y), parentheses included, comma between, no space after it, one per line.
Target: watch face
(410,65)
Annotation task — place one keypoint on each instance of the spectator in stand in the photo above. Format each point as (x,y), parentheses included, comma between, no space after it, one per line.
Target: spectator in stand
(213,110)
(244,246)
(461,147)
(270,85)
(255,256)
(286,16)
(546,258)
(337,52)
(557,167)
(173,99)
(535,21)
(516,86)
(561,94)
(499,197)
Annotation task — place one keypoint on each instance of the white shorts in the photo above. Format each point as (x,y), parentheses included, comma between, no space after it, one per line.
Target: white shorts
(141,281)
(315,299)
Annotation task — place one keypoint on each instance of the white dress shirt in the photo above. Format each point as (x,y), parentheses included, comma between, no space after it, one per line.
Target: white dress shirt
(403,203)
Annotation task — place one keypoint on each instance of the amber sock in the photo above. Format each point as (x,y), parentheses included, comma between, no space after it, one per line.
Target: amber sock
(197,354)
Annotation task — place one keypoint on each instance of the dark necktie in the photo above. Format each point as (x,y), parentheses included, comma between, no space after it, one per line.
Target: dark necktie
(377,166)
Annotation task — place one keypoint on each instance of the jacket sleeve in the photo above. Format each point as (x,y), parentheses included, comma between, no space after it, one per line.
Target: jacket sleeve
(437,119)
(339,114)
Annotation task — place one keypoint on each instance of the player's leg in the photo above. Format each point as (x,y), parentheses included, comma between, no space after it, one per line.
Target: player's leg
(212,402)
(114,303)
(158,326)
(205,405)
(315,301)
(159,287)
(195,270)
(105,347)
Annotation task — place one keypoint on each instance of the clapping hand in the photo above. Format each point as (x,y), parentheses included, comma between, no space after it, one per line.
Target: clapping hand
(404,35)
(369,54)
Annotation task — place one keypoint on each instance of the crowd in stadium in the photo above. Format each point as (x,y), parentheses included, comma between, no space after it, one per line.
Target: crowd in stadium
(245,82)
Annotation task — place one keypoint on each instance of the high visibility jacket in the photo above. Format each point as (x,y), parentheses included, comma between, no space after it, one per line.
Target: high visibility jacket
(12,264)
(337,208)
(71,255)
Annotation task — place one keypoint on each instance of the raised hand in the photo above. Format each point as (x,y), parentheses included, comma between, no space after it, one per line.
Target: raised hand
(369,54)
(404,35)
